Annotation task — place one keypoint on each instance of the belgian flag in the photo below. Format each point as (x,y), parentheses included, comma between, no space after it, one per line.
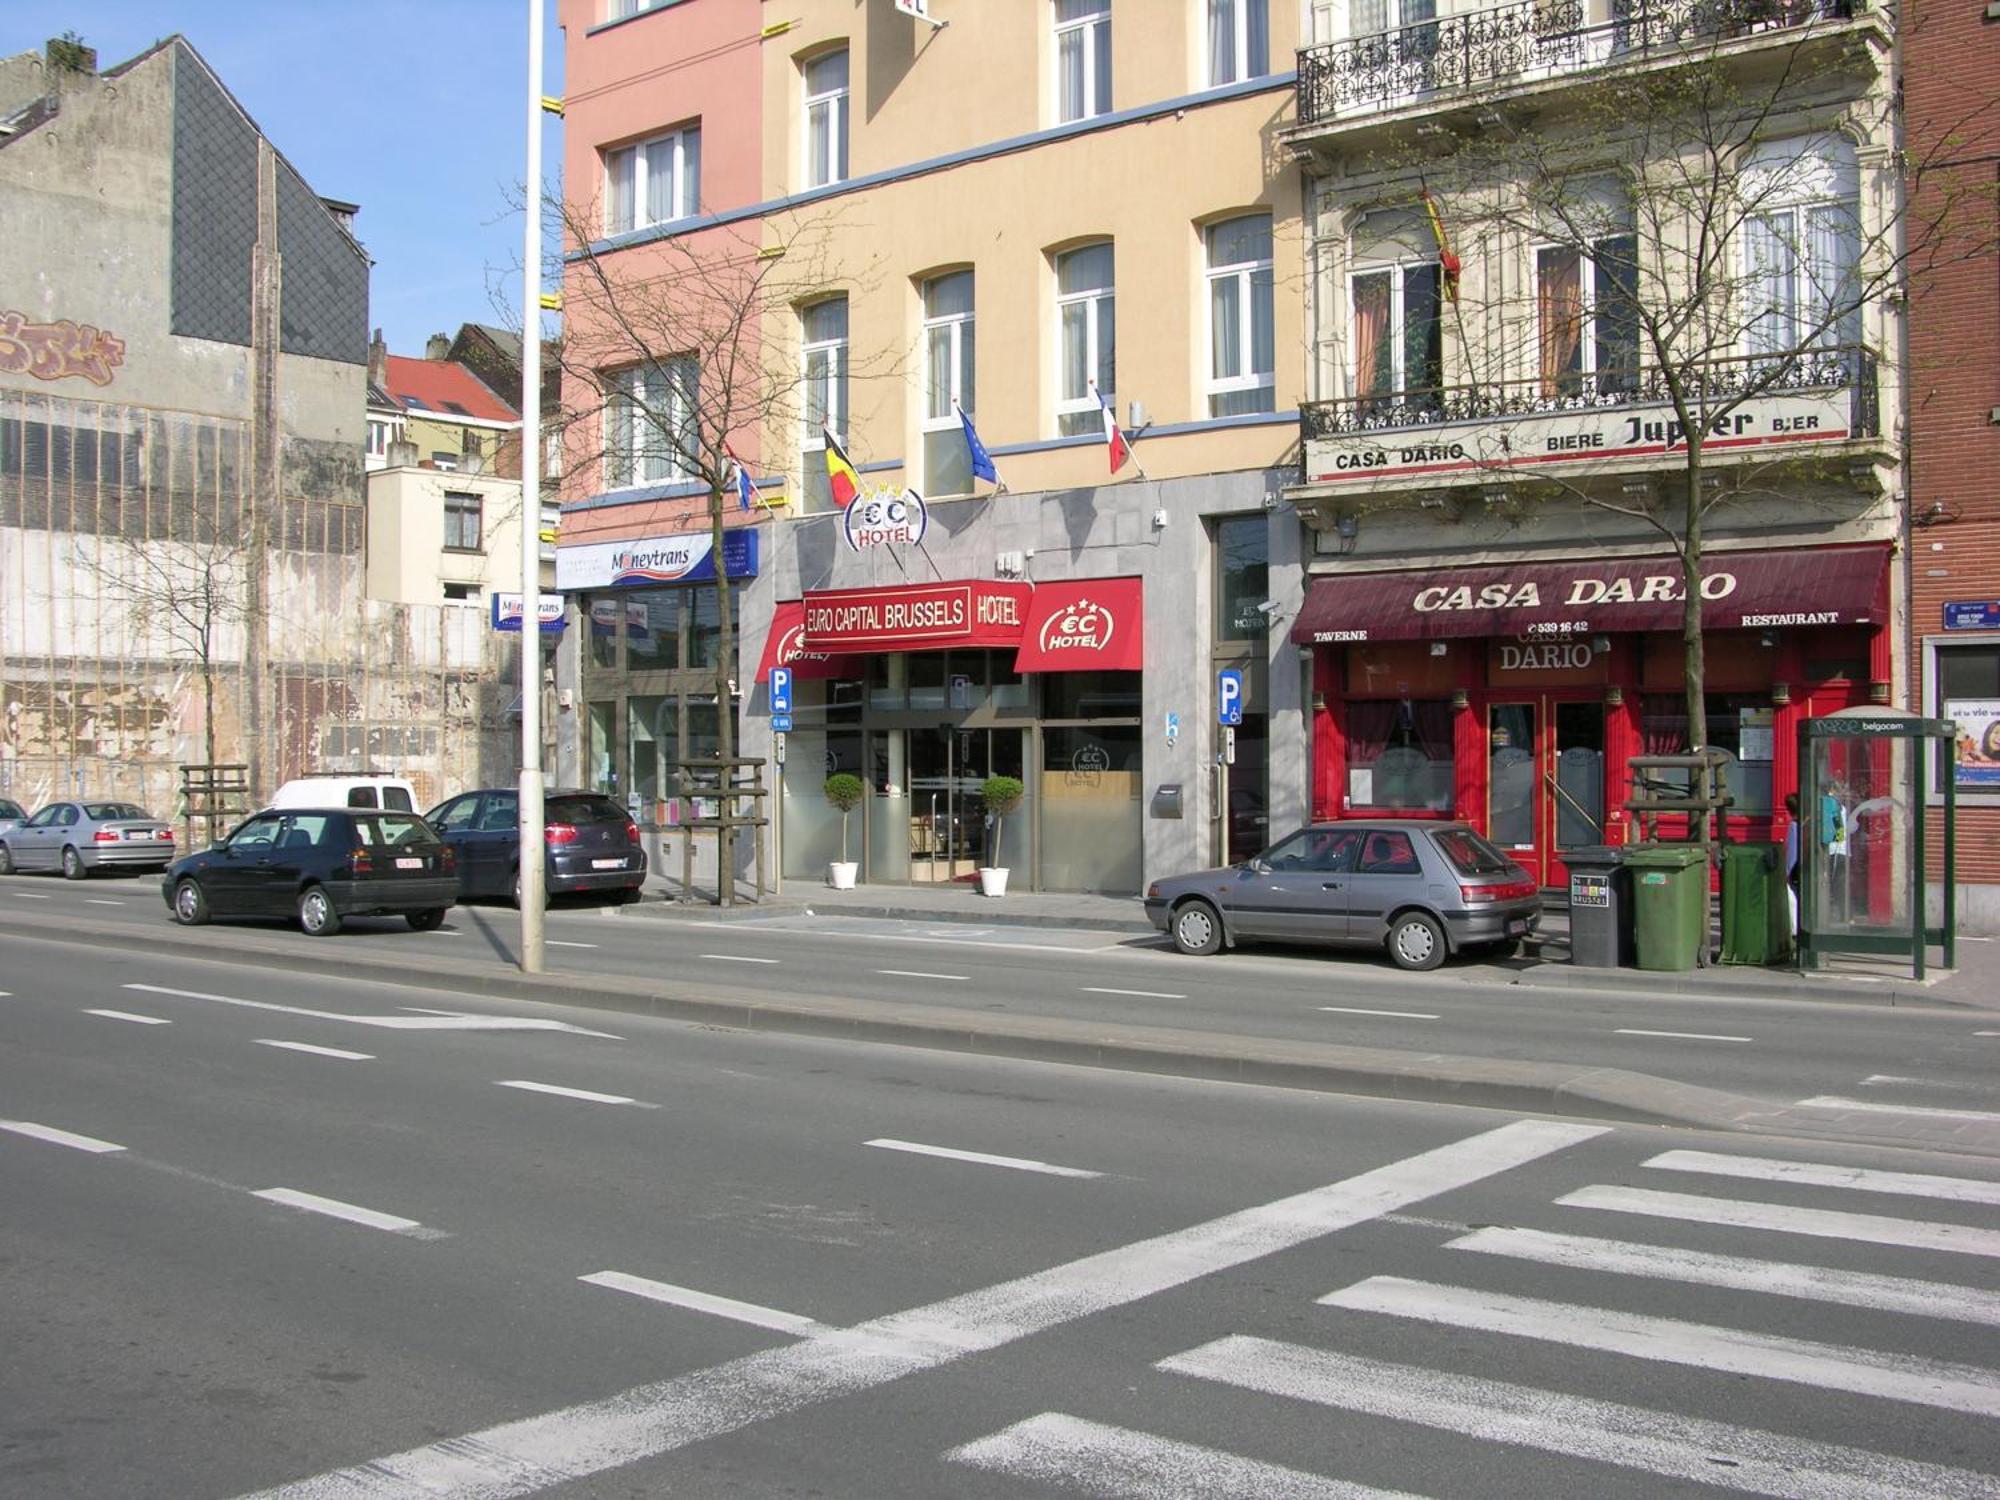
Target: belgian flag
(841,479)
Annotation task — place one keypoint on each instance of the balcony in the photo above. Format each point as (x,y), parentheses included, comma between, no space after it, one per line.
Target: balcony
(1607,420)
(1447,59)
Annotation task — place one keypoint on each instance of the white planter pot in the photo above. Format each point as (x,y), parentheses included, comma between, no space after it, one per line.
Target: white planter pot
(993,882)
(840,873)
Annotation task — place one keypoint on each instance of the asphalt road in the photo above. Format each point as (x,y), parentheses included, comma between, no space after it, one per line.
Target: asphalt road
(1902,1057)
(280,1232)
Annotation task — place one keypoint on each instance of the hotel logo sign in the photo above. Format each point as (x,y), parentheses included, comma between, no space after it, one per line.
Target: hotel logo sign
(884,518)
(1082,626)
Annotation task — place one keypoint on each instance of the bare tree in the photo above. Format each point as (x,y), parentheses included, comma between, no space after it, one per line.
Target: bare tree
(1710,215)
(683,354)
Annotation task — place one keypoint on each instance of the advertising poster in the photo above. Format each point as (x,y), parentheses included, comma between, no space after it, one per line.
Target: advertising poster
(1978,749)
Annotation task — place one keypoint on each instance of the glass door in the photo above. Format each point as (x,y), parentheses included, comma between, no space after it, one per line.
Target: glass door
(948,825)
(1513,805)
(1574,781)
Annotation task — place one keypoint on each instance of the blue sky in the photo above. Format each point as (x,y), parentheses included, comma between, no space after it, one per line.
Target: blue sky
(411,108)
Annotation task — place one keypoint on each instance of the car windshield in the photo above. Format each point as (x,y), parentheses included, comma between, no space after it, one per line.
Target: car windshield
(394,829)
(100,811)
(11,809)
(587,809)
(1470,854)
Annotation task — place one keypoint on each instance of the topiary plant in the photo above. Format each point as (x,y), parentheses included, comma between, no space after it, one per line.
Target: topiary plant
(1002,794)
(844,790)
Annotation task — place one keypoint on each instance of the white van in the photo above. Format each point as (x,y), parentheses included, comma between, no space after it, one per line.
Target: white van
(347,789)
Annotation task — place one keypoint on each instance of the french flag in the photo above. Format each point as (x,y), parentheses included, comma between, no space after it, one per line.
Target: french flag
(1114,435)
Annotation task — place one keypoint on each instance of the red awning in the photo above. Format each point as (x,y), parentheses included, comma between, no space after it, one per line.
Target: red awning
(1085,625)
(1740,591)
(785,647)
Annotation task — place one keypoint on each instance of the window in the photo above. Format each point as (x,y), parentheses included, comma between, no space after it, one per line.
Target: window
(1587,307)
(1242,578)
(653,182)
(445,462)
(1739,724)
(619,9)
(1400,755)
(1801,242)
(1321,851)
(1083,59)
(826,119)
(823,344)
(380,435)
(1087,325)
(1965,687)
(1417,17)
(1242,355)
(459,592)
(649,424)
(1396,303)
(1239,40)
(947,379)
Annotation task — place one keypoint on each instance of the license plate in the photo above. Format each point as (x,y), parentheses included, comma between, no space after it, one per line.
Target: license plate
(132,833)
(1515,929)
(409,864)
(607,864)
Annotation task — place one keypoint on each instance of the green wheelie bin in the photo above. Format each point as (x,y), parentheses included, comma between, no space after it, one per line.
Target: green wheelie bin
(1756,907)
(1669,904)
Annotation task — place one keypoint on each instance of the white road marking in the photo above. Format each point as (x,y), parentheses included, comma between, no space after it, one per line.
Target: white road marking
(57,1137)
(447,1021)
(559,943)
(1821,1223)
(1986,1033)
(587,1095)
(981,1158)
(31,896)
(722,1307)
(339,1052)
(126,1015)
(1863,1372)
(333,1208)
(100,901)
(1355,1010)
(1064,1452)
(816,934)
(919,974)
(1632,1437)
(540,1452)
(1684,1036)
(1092,989)
(1924,1299)
(1829,1101)
(737,958)
(1818,1174)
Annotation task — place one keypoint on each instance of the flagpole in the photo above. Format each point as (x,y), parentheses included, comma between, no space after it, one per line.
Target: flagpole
(1445,283)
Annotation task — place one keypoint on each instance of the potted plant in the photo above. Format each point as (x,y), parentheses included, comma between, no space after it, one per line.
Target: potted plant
(843,789)
(1002,794)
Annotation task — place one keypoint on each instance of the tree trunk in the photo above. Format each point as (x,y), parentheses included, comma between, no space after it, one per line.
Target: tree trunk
(1695,661)
(725,709)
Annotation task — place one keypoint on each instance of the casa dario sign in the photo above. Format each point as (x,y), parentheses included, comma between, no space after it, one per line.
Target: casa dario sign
(883,518)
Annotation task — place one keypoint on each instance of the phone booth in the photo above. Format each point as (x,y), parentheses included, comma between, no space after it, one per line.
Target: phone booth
(1861,835)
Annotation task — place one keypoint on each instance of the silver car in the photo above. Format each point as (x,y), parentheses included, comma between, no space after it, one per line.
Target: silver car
(78,837)
(11,814)
(1420,889)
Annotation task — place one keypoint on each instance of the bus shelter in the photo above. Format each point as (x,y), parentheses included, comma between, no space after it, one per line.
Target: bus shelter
(1862,825)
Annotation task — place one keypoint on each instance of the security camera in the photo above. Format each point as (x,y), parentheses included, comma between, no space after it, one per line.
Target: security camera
(1269,607)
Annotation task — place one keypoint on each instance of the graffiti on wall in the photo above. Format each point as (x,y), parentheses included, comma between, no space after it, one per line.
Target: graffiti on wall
(52,351)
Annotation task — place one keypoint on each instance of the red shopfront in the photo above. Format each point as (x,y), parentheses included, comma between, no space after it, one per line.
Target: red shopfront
(926,689)
(1514,696)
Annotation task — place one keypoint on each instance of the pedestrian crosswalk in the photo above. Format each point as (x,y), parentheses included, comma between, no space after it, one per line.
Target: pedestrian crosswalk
(1675,1247)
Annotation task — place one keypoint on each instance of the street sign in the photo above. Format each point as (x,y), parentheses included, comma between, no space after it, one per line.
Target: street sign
(778,748)
(780,723)
(781,690)
(1228,755)
(1229,697)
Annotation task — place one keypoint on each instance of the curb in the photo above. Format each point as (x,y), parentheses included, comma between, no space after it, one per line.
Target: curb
(1411,1077)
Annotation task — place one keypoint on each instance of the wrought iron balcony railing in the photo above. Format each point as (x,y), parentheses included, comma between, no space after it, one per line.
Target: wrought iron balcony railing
(1524,42)
(1849,367)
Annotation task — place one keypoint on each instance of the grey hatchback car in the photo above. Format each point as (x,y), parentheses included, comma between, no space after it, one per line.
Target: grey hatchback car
(1421,889)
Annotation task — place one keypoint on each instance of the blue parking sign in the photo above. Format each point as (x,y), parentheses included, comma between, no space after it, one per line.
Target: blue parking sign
(781,690)
(1229,697)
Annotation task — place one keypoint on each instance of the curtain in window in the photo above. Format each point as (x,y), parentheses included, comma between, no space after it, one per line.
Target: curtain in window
(1559,303)
(1833,236)
(1368,17)
(1663,723)
(1257,39)
(1771,263)
(1222,41)
(1225,301)
(1373,375)
(690,179)
(1263,343)
(1370,726)
(660,205)
(617,439)
(1430,719)
(620,166)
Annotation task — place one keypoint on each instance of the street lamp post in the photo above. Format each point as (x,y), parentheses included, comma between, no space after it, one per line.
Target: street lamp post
(533,817)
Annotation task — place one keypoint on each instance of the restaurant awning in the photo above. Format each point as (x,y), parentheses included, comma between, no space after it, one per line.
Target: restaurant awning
(785,646)
(1085,625)
(1740,591)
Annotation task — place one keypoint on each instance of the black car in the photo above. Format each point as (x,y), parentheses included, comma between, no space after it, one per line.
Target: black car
(591,843)
(322,865)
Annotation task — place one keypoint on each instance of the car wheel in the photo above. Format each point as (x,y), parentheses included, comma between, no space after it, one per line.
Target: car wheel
(190,905)
(72,864)
(1197,928)
(426,921)
(517,889)
(6,860)
(630,896)
(316,914)
(1416,941)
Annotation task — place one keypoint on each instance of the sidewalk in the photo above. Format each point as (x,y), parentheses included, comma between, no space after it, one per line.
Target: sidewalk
(1974,982)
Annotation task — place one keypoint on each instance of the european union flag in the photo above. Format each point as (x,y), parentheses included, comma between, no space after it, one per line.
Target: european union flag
(982,461)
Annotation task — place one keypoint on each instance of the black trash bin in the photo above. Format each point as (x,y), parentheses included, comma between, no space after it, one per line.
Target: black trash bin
(1600,907)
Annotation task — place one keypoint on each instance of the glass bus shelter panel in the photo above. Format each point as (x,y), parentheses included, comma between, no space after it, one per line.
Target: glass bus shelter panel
(1862,835)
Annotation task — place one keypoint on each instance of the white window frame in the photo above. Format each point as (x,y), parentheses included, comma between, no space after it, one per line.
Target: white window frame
(1794,180)
(1094,301)
(953,327)
(1239,25)
(835,104)
(1093,31)
(1587,270)
(627,469)
(1245,272)
(1398,272)
(381,433)
(812,438)
(684,192)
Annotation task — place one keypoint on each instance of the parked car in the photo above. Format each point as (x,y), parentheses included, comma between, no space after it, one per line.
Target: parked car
(1418,888)
(11,812)
(347,789)
(322,865)
(78,837)
(591,843)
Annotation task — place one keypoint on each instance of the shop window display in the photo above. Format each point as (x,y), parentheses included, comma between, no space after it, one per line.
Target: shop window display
(1399,755)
